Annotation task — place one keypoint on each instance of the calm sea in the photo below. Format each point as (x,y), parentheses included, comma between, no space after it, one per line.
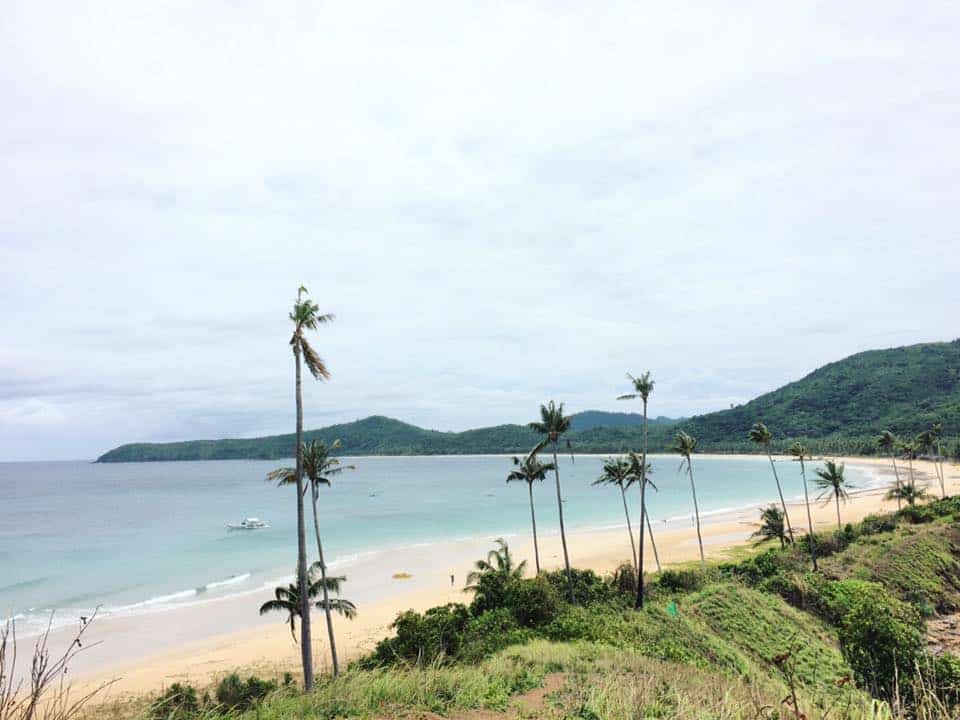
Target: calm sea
(141,537)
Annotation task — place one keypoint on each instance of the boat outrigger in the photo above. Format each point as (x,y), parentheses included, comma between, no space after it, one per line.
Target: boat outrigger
(250,523)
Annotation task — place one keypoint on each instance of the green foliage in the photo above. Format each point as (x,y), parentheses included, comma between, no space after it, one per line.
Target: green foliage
(903,389)
(588,587)
(679,580)
(179,702)
(236,694)
(534,602)
(426,638)
(880,636)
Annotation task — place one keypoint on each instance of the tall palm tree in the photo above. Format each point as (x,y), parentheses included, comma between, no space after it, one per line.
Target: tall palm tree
(799,453)
(642,387)
(937,433)
(831,481)
(771,525)
(685,445)
(909,452)
(319,466)
(643,472)
(762,436)
(287,599)
(530,470)
(305,316)
(887,442)
(619,472)
(552,424)
(926,445)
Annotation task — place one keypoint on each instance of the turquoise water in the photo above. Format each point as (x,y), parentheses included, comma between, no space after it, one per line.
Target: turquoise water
(139,537)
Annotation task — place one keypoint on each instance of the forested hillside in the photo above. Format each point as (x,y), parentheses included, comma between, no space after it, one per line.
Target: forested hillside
(839,408)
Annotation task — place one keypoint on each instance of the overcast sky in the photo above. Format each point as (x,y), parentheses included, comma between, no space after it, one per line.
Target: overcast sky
(503,203)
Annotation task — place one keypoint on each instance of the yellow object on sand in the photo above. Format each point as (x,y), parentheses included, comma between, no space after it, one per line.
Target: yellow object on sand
(402,576)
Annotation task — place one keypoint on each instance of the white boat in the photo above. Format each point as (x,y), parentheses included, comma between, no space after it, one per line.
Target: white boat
(250,523)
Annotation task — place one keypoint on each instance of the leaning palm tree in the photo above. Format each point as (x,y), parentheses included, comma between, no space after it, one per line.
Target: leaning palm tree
(287,599)
(926,445)
(530,470)
(642,387)
(887,442)
(771,525)
(643,472)
(552,424)
(909,452)
(762,436)
(832,483)
(685,445)
(619,473)
(799,453)
(305,316)
(937,432)
(319,466)
(909,493)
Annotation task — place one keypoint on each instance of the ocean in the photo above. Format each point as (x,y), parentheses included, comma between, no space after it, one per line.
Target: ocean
(144,537)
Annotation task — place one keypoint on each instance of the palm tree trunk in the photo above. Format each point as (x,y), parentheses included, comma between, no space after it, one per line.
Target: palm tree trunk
(323,578)
(836,497)
(696,511)
(653,544)
(643,508)
(806,497)
(633,544)
(938,463)
(896,474)
(306,647)
(563,532)
(533,520)
(783,504)
(913,484)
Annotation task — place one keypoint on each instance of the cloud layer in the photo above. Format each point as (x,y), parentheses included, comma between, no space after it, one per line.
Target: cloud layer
(502,204)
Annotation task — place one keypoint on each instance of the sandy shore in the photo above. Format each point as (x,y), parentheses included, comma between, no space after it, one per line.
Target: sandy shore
(144,654)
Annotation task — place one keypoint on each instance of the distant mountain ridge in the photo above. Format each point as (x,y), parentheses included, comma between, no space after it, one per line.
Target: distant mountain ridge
(838,408)
(379,435)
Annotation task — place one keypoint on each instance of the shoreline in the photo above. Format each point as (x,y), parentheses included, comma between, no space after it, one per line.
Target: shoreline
(205,640)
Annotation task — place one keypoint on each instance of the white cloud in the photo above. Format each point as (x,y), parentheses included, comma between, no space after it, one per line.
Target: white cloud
(501,203)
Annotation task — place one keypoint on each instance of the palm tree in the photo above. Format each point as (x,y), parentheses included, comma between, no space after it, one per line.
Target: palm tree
(771,525)
(287,599)
(908,451)
(642,387)
(641,471)
(831,481)
(619,472)
(799,453)
(499,562)
(937,433)
(926,445)
(906,492)
(319,466)
(530,470)
(761,435)
(686,445)
(305,316)
(553,423)
(887,442)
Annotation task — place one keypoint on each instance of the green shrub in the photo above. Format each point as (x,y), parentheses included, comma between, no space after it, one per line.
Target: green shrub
(588,587)
(875,524)
(425,638)
(490,632)
(534,602)
(179,702)
(880,636)
(680,580)
(236,694)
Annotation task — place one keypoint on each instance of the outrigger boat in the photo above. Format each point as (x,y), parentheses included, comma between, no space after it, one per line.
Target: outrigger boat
(250,523)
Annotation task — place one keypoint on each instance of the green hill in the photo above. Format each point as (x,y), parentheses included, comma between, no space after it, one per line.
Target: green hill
(837,409)
(904,390)
(380,435)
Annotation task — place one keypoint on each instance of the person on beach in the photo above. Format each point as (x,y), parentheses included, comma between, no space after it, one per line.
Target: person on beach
(451,580)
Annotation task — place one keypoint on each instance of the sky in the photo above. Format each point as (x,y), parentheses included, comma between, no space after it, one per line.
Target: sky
(502,203)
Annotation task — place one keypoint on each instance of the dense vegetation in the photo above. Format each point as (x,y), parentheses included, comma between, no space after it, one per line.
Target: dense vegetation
(838,409)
